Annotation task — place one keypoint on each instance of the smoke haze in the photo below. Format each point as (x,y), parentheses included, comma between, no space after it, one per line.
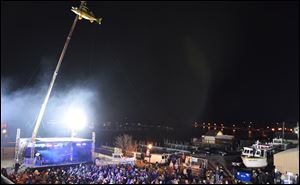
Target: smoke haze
(20,107)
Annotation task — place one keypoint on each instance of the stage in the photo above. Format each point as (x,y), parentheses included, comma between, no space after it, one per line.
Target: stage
(55,151)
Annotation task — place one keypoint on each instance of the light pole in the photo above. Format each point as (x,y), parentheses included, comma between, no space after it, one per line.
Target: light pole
(283,130)
(17,145)
(3,137)
(148,152)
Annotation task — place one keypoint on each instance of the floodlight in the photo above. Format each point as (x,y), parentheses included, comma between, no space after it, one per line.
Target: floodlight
(76,118)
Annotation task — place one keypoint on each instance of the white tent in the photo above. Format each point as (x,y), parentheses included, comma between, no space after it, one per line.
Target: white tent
(287,161)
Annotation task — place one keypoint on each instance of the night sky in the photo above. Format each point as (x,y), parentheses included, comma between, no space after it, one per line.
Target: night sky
(170,62)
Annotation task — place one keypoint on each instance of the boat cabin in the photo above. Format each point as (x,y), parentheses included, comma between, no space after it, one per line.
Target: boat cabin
(252,152)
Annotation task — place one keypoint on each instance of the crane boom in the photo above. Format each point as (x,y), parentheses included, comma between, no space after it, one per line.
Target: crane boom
(43,108)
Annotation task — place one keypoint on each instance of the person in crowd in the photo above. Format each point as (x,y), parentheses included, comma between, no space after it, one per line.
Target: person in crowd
(4,172)
(17,166)
(296,179)
(176,166)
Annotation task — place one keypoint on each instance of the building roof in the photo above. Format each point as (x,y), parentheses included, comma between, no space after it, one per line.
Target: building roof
(211,133)
(220,133)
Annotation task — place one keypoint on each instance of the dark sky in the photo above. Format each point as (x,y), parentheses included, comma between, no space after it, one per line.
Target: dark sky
(169,62)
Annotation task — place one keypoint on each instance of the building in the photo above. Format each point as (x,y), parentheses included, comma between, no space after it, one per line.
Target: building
(217,137)
(196,141)
(287,161)
(210,136)
(218,140)
(224,139)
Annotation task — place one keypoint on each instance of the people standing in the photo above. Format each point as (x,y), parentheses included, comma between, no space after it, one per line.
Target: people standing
(17,165)
(176,167)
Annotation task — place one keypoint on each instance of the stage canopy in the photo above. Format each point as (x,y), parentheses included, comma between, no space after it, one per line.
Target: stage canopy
(58,139)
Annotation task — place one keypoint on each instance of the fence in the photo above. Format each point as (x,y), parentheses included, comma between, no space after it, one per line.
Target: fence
(105,150)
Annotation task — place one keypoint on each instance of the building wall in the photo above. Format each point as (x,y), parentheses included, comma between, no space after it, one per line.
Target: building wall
(287,161)
(209,139)
(224,141)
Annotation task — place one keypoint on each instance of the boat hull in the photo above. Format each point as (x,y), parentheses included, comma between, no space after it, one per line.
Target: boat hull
(255,162)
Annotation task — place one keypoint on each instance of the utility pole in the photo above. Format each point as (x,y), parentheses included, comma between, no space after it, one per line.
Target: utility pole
(17,147)
(93,144)
(283,131)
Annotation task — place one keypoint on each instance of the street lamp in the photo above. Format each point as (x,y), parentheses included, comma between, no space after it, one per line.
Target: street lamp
(3,137)
(150,146)
(148,151)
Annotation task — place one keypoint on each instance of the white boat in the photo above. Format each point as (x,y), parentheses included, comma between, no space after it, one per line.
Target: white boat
(279,143)
(256,156)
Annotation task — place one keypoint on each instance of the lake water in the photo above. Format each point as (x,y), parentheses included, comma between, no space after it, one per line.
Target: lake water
(179,135)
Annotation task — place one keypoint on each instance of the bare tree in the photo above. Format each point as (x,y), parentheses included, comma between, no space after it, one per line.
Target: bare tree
(126,143)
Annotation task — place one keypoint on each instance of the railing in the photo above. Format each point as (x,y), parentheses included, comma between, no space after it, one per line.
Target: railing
(104,150)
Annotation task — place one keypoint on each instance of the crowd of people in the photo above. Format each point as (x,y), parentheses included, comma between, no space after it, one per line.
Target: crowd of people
(259,176)
(135,174)
(285,178)
(117,174)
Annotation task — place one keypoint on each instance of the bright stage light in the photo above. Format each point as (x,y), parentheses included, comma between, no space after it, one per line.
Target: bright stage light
(76,118)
